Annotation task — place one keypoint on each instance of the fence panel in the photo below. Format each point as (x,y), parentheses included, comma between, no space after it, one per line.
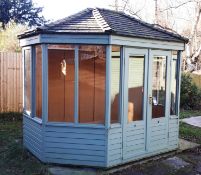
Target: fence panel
(10,82)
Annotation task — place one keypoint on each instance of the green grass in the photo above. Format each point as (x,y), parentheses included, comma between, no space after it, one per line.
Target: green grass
(189,113)
(14,159)
(190,133)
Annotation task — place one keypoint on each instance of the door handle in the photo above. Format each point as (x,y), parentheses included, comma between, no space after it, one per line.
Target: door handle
(150,100)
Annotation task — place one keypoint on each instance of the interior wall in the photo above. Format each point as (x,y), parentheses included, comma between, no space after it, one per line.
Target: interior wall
(38,79)
(61,83)
(92,74)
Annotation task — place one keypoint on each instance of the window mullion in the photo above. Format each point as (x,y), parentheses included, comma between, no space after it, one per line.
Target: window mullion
(76,94)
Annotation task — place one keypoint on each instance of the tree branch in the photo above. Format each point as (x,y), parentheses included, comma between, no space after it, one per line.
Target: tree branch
(177,6)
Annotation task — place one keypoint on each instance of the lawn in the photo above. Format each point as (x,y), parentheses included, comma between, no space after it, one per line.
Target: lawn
(189,113)
(14,159)
(189,132)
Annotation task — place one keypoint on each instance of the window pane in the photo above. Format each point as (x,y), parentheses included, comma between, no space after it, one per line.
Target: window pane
(173,84)
(27,79)
(56,81)
(158,86)
(61,70)
(69,85)
(92,71)
(38,80)
(115,83)
(135,88)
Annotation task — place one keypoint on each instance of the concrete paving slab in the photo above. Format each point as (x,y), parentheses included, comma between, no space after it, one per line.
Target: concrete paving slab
(194,121)
(185,145)
(72,171)
(176,162)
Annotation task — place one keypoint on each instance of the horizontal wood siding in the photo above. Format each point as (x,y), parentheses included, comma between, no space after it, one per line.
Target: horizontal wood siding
(74,145)
(135,140)
(158,134)
(173,133)
(32,136)
(115,146)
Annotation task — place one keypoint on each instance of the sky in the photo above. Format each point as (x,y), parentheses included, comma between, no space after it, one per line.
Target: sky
(58,9)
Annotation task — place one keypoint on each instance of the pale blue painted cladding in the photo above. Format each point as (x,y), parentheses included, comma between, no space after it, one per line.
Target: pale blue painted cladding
(87,146)
(66,145)
(136,142)
(32,136)
(115,146)
(72,145)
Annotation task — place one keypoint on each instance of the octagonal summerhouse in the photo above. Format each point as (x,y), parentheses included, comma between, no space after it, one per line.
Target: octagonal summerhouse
(101,88)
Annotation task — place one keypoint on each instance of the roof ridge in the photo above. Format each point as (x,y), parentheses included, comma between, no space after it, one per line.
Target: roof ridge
(64,19)
(162,29)
(100,20)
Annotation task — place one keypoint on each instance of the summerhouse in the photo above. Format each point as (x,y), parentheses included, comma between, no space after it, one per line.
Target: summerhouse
(101,88)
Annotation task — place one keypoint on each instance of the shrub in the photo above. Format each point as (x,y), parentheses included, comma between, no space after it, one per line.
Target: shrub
(10,116)
(190,93)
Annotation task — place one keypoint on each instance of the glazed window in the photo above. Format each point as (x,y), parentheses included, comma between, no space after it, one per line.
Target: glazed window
(115,84)
(159,69)
(38,79)
(61,82)
(135,87)
(92,74)
(173,106)
(27,80)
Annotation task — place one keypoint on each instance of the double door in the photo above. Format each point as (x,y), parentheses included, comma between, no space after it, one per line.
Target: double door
(145,96)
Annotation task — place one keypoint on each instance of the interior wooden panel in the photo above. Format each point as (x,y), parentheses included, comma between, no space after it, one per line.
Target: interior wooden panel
(92,84)
(56,88)
(135,103)
(27,79)
(86,88)
(38,78)
(69,85)
(100,74)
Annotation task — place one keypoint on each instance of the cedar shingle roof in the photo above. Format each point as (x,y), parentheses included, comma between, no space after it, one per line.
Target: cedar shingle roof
(104,21)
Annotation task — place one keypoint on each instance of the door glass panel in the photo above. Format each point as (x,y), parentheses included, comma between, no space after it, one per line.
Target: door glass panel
(61,72)
(158,86)
(92,74)
(135,87)
(115,84)
(173,84)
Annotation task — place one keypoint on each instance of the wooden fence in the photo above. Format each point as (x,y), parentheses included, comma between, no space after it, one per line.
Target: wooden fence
(10,82)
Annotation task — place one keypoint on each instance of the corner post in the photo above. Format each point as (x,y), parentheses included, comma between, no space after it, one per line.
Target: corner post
(33,78)
(108,87)
(179,58)
(44,84)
